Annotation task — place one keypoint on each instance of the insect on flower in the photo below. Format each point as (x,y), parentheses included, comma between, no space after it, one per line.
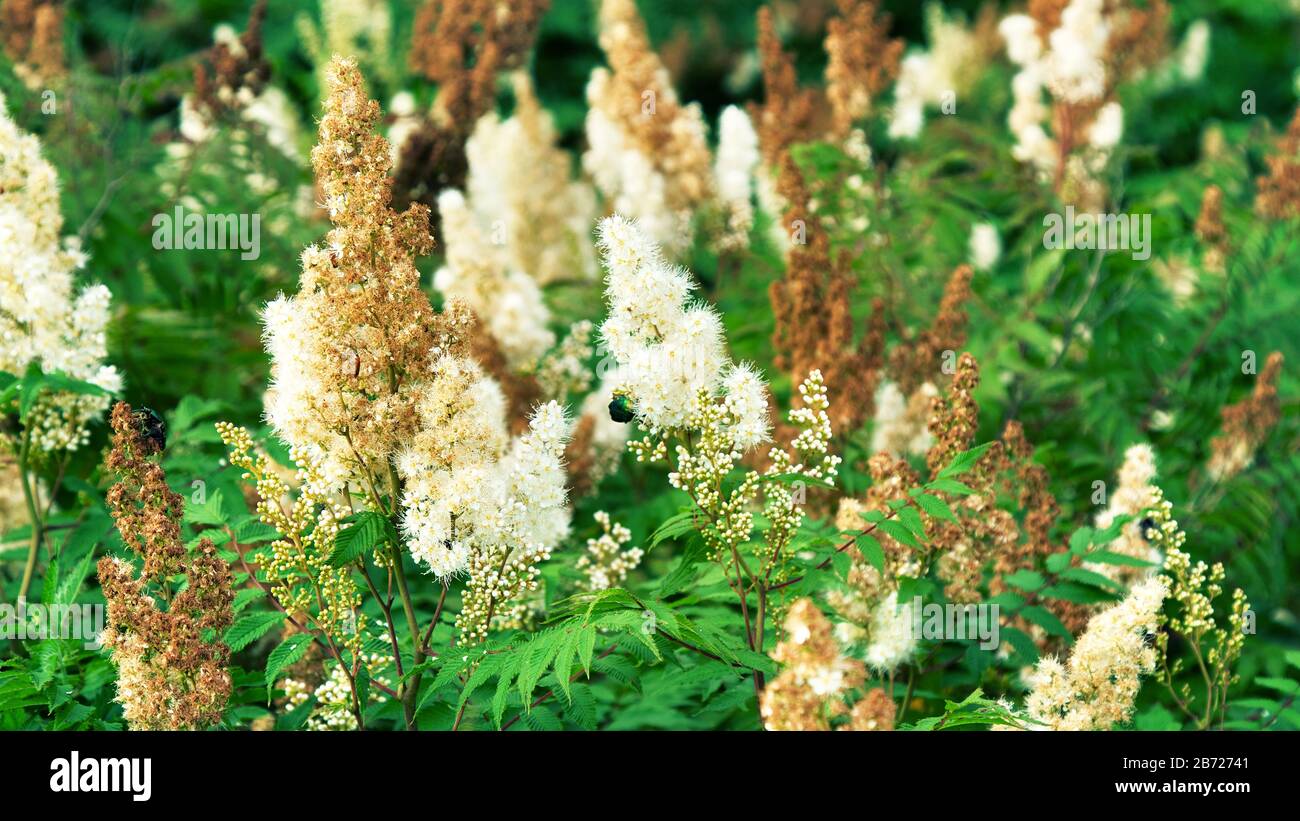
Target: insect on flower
(152,427)
(1146,526)
(620,409)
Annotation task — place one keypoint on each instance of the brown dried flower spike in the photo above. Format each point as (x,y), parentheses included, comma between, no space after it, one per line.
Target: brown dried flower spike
(862,61)
(461,45)
(1247,424)
(1278,196)
(920,360)
(814,323)
(33,39)
(232,75)
(788,113)
(171,674)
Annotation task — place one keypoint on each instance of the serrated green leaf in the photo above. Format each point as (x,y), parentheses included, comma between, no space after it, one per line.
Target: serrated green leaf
(871,551)
(963,462)
(911,519)
(541,719)
(935,507)
(586,645)
(1025,579)
(290,651)
(208,513)
(676,525)
(248,629)
(367,531)
(898,532)
(950,486)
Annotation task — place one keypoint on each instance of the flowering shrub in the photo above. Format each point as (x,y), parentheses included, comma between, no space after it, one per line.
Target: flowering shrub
(817,366)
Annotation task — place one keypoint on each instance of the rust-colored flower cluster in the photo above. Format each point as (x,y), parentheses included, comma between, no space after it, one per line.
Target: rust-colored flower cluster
(1029,483)
(636,99)
(461,45)
(33,39)
(922,358)
(816,679)
(1247,424)
(233,73)
(988,532)
(171,674)
(788,114)
(812,307)
(1211,231)
(983,530)
(1278,192)
(862,61)
(811,303)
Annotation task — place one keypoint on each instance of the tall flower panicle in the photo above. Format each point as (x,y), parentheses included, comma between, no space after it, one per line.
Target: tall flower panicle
(1211,231)
(932,77)
(444,463)
(921,359)
(460,45)
(234,105)
(519,183)
(1215,644)
(33,40)
(812,305)
(902,403)
(1247,424)
(1135,493)
(787,114)
(648,152)
(378,392)
(352,350)
(734,169)
(481,275)
(45,321)
(1002,524)
(169,677)
(1096,687)
(235,70)
(1075,55)
(232,82)
(668,350)
(862,61)
(518,516)
(701,412)
(1278,192)
(298,564)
